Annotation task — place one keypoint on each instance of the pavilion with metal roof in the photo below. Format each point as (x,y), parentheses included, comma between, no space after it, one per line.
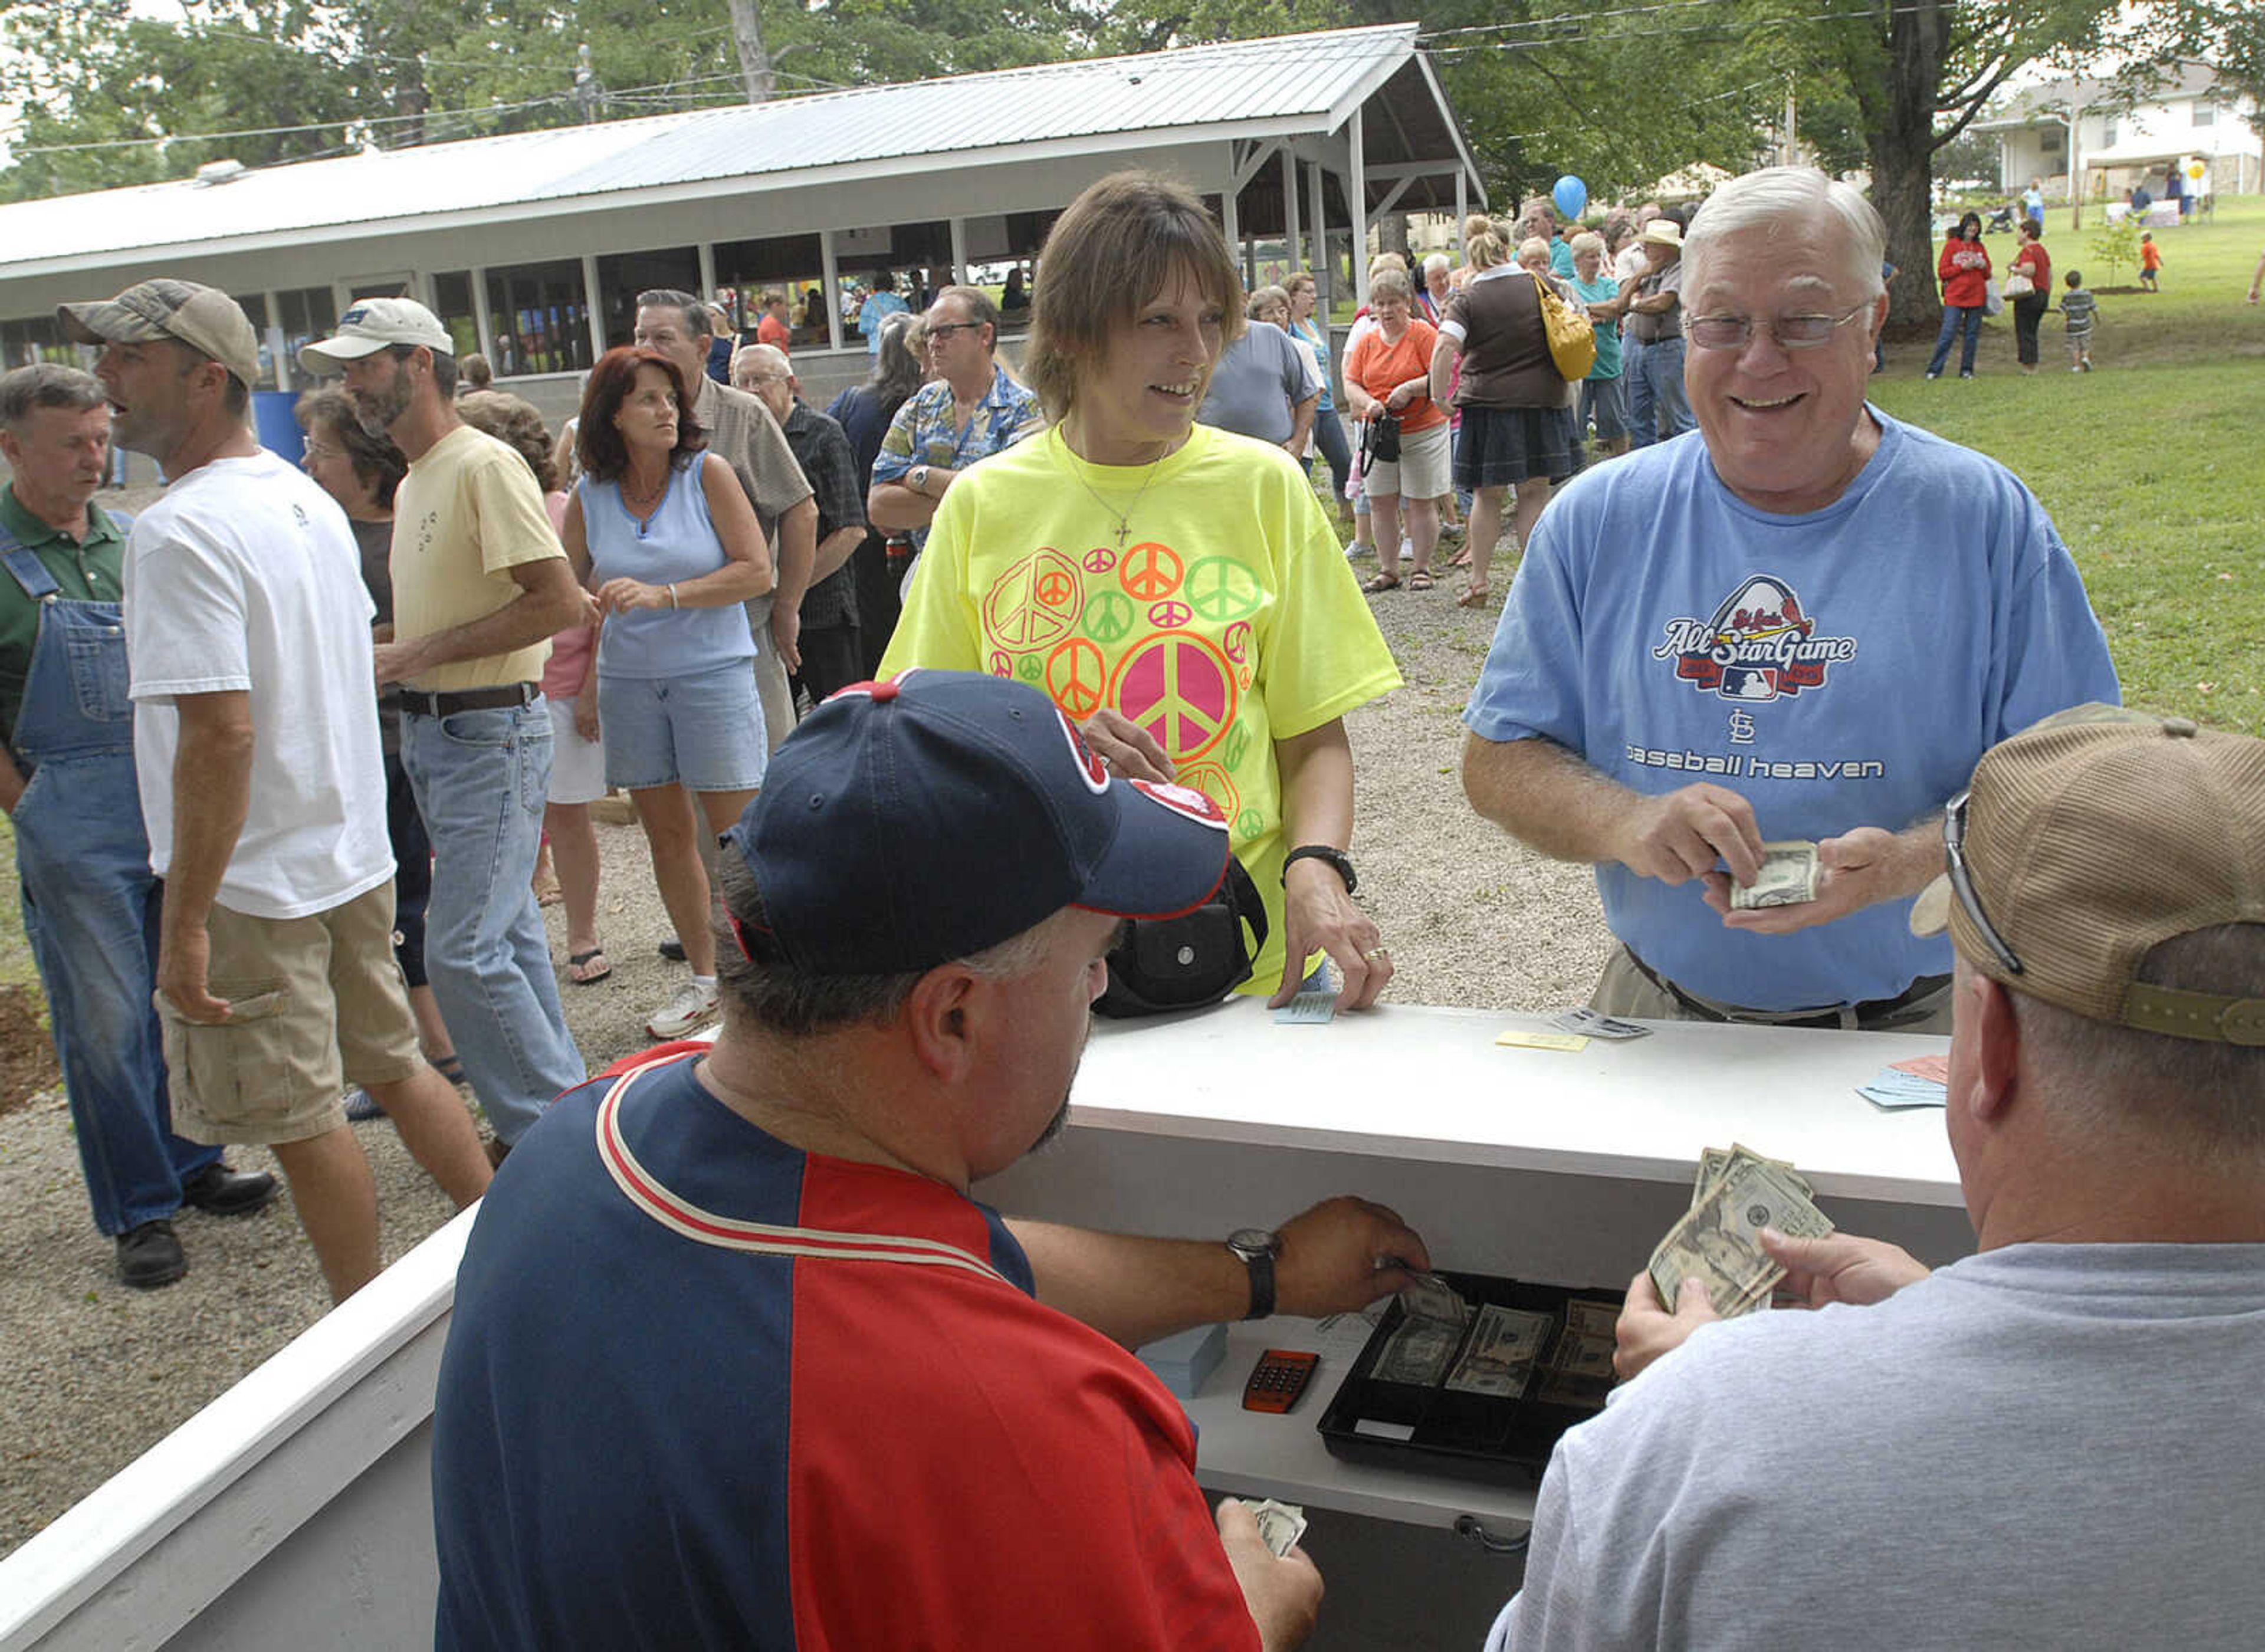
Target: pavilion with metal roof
(532,246)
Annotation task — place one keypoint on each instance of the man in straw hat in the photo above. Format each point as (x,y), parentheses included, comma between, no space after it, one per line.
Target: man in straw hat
(736,1361)
(2056,1442)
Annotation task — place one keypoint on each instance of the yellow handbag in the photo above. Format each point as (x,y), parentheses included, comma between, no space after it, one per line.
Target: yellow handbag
(1572,341)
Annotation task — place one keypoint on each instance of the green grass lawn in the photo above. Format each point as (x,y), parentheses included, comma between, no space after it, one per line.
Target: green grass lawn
(2149,465)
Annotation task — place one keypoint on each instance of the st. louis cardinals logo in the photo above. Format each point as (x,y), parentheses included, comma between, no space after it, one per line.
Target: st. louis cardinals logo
(1760,646)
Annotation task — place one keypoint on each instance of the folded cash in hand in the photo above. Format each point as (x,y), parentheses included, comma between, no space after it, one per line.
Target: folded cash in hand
(1740,1193)
(1279,1524)
(1431,1330)
(1787,878)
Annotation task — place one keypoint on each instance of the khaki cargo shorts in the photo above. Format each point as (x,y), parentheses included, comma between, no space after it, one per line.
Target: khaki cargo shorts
(318,1000)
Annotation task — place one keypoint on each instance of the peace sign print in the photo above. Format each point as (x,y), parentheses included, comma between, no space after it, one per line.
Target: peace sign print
(1169,616)
(1001,665)
(1178,686)
(1033,602)
(1100,559)
(1237,642)
(1077,678)
(1150,571)
(1212,779)
(1029,669)
(1222,588)
(1108,617)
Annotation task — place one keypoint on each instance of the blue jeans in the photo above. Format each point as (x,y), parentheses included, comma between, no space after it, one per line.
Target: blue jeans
(481,779)
(91,911)
(1655,388)
(1953,316)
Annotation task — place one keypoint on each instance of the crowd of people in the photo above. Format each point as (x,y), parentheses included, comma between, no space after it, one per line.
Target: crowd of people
(1128,641)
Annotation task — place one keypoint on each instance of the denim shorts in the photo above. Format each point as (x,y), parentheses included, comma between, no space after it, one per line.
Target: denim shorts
(704,731)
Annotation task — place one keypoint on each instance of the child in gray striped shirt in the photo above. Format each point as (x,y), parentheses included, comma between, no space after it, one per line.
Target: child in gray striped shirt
(2076,309)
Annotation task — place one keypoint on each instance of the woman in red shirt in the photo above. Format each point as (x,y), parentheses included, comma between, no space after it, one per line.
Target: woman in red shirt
(1390,371)
(1964,270)
(2035,263)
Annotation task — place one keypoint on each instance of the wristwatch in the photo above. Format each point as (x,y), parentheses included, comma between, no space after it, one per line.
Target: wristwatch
(1257,1248)
(916,478)
(1337,858)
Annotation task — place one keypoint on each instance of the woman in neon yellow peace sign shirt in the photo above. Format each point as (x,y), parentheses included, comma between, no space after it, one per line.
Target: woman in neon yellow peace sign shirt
(1176,588)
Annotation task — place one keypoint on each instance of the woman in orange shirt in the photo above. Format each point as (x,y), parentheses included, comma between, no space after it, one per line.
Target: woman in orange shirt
(1390,371)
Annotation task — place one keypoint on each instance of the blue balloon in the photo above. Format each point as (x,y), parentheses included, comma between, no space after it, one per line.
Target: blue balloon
(1571,194)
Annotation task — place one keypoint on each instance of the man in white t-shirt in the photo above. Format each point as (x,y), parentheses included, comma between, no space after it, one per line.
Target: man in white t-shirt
(2057,1442)
(247,632)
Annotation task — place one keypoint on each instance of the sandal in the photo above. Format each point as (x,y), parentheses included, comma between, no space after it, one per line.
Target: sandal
(1474,596)
(449,1067)
(1420,580)
(1461,558)
(587,969)
(1377,582)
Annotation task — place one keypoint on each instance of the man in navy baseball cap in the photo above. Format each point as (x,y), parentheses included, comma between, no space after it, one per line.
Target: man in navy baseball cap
(736,1361)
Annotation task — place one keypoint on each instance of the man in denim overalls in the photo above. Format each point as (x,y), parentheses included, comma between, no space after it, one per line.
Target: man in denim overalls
(91,904)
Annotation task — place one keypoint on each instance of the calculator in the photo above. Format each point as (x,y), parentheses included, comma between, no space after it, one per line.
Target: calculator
(1276,1380)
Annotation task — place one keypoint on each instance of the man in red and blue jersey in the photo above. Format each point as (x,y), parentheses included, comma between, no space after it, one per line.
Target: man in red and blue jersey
(736,1362)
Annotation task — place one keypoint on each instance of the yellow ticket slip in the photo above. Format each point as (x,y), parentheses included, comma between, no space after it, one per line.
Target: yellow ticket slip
(1518,1038)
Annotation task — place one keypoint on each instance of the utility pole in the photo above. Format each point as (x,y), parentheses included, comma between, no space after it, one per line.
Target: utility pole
(1789,152)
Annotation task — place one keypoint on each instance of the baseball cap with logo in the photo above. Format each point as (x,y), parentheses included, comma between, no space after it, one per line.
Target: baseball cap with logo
(371,324)
(2087,841)
(908,823)
(204,318)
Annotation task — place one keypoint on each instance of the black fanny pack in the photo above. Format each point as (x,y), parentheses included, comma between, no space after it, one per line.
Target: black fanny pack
(1184,963)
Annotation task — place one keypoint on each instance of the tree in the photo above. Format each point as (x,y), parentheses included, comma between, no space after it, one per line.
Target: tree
(283,80)
(1919,72)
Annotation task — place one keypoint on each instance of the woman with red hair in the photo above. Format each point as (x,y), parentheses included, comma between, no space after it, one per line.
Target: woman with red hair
(662,535)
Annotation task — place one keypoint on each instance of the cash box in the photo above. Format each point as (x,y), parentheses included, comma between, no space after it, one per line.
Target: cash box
(1479,1418)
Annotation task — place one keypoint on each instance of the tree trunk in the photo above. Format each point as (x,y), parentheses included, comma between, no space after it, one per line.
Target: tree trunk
(755,62)
(1899,117)
(1392,234)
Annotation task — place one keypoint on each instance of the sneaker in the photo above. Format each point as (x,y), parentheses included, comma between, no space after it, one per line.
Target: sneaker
(1966,375)
(362,1106)
(693,1005)
(1936,374)
(150,1255)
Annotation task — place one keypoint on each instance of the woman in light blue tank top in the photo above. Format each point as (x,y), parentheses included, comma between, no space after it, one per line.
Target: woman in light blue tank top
(664,537)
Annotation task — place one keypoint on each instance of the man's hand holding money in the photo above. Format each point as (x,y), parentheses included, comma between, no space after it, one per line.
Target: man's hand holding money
(1857,869)
(1831,1268)
(1343,1254)
(1283,1592)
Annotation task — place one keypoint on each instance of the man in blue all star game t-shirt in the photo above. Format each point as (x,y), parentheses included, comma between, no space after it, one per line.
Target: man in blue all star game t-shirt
(1803,622)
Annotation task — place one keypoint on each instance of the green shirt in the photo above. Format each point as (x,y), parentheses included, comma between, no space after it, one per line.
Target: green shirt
(90,570)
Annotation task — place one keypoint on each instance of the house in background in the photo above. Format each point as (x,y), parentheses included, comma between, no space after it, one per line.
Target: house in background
(2085,128)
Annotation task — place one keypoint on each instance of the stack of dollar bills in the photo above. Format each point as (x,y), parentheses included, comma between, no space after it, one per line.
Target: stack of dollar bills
(1495,1351)
(1737,1194)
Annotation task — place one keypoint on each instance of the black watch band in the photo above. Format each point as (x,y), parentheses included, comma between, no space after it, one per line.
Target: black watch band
(1262,1285)
(1256,1248)
(1337,857)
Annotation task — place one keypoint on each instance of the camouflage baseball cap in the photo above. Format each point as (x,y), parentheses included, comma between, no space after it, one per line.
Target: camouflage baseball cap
(2090,839)
(204,318)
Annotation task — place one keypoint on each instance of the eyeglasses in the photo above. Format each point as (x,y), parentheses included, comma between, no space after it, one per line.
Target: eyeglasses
(318,450)
(945,330)
(1792,332)
(1962,883)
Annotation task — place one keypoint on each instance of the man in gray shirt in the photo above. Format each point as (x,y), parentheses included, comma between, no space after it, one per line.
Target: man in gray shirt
(2060,1441)
(1265,385)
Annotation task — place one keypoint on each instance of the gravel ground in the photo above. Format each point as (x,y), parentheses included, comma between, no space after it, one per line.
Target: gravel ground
(91,1374)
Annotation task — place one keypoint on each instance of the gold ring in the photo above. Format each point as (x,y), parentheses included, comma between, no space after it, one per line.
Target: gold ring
(1374,953)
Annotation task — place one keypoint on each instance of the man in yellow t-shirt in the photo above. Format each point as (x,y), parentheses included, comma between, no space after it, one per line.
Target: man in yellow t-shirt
(1215,612)
(480,585)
